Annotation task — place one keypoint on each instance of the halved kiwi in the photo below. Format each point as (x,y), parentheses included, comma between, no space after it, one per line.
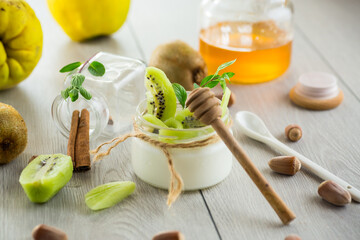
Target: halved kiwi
(45,176)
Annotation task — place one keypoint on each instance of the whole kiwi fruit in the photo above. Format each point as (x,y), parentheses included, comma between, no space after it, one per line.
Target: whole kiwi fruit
(181,63)
(13,133)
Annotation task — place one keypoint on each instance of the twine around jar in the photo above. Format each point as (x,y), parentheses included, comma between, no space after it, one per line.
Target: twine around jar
(176,182)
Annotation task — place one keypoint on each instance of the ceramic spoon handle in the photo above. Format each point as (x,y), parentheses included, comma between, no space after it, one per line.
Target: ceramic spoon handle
(285,214)
(314,168)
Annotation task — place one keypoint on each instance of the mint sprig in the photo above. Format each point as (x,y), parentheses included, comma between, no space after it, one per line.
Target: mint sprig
(180,93)
(209,81)
(95,68)
(213,80)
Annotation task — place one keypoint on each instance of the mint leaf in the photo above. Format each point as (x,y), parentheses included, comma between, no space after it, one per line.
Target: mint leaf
(228,75)
(180,93)
(74,94)
(65,93)
(212,84)
(85,93)
(96,69)
(205,80)
(77,80)
(212,78)
(196,86)
(70,67)
(224,65)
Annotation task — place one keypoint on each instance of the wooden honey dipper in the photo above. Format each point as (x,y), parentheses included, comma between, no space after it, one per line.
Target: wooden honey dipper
(206,108)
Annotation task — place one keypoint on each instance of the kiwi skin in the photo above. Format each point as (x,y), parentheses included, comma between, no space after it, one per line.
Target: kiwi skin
(181,63)
(13,133)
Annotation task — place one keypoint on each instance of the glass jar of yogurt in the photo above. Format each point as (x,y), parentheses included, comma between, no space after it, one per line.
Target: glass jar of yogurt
(200,167)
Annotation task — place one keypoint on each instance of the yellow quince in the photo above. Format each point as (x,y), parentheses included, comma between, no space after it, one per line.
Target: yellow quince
(20,42)
(82,20)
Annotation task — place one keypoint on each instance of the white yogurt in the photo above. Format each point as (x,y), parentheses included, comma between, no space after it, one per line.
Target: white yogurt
(199,168)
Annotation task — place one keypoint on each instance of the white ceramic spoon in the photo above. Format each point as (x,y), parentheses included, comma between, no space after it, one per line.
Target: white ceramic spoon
(254,127)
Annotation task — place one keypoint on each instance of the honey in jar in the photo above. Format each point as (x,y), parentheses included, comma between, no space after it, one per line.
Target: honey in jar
(257,34)
(262,51)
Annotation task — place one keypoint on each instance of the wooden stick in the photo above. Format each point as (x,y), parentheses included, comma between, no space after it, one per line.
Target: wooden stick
(72,135)
(82,144)
(208,111)
(285,214)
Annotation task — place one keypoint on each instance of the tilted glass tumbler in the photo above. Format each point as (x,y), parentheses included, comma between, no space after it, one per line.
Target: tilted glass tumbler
(115,96)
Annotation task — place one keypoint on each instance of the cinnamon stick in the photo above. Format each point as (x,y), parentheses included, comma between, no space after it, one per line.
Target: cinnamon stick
(72,136)
(82,143)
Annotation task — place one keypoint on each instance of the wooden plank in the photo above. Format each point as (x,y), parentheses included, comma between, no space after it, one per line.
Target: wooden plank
(329,139)
(333,29)
(141,216)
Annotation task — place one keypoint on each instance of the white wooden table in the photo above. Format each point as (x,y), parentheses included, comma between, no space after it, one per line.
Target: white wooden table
(327,39)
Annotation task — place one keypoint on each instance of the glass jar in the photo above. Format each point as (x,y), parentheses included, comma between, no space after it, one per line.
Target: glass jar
(115,96)
(258,33)
(199,167)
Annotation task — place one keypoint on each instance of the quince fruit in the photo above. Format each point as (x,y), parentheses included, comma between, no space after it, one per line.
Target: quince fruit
(20,42)
(83,20)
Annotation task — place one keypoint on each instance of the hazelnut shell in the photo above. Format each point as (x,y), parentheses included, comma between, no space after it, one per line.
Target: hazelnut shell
(293,132)
(170,235)
(334,193)
(288,165)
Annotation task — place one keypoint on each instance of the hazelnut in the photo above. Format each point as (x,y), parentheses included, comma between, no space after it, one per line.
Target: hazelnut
(334,193)
(170,235)
(292,237)
(288,165)
(293,132)
(45,232)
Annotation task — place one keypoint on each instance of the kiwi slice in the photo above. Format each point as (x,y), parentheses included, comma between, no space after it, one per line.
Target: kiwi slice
(150,107)
(170,135)
(187,119)
(154,120)
(163,95)
(109,194)
(173,123)
(45,176)
(225,100)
